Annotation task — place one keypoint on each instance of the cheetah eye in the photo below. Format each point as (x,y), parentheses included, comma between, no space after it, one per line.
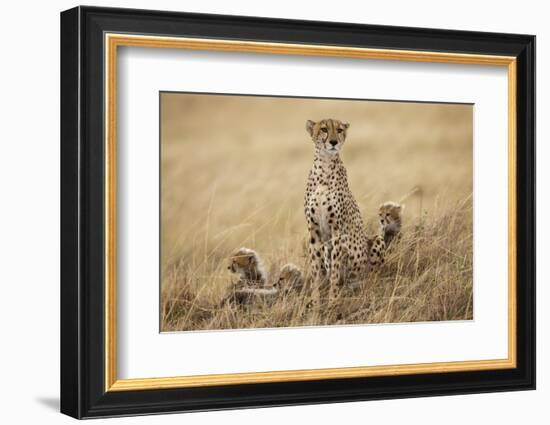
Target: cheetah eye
(324,130)
(340,130)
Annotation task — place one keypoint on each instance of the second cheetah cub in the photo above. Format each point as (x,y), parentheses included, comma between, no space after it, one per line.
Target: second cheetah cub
(390,220)
(290,279)
(248,265)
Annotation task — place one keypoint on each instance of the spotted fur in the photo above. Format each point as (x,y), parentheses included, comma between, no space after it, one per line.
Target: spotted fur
(339,248)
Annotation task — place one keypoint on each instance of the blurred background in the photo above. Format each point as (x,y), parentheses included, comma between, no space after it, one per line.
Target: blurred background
(234,168)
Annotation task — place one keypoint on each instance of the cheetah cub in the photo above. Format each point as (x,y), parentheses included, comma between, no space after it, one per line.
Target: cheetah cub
(290,279)
(390,220)
(247,264)
(252,285)
(252,279)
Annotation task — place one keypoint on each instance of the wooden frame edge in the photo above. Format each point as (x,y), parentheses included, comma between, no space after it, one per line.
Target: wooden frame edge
(114,40)
(306,375)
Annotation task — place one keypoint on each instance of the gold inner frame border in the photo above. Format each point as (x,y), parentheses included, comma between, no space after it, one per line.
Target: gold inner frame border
(112,41)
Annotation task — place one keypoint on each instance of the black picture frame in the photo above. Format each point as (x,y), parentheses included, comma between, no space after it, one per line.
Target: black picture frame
(83,392)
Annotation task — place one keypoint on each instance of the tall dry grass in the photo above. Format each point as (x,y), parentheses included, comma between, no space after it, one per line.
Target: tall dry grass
(233,173)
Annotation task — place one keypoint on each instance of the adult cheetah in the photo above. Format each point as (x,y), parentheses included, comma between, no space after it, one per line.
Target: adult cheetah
(339,248)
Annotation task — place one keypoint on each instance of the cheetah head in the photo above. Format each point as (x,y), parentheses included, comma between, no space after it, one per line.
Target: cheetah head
(243,260)
(390,215)
(290,277)
(328,135)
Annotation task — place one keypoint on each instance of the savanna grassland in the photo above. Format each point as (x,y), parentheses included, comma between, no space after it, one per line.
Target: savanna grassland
(233,174)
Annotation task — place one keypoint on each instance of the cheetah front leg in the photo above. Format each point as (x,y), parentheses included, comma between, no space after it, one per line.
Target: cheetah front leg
(326,257)
(316,255)
(318,272)
(339,255)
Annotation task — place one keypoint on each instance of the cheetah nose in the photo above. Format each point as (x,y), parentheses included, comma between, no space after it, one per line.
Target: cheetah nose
(334,142)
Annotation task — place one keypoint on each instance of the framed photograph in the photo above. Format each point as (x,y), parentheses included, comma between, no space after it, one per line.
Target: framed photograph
(260,212)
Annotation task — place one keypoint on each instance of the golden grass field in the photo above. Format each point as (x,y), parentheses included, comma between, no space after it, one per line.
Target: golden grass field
(233,174)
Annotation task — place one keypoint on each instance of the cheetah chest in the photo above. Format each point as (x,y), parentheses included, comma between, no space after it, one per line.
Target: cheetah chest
(321,212)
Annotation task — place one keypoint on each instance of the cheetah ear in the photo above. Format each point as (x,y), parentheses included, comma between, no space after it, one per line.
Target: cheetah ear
(346,125)
(309,127)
